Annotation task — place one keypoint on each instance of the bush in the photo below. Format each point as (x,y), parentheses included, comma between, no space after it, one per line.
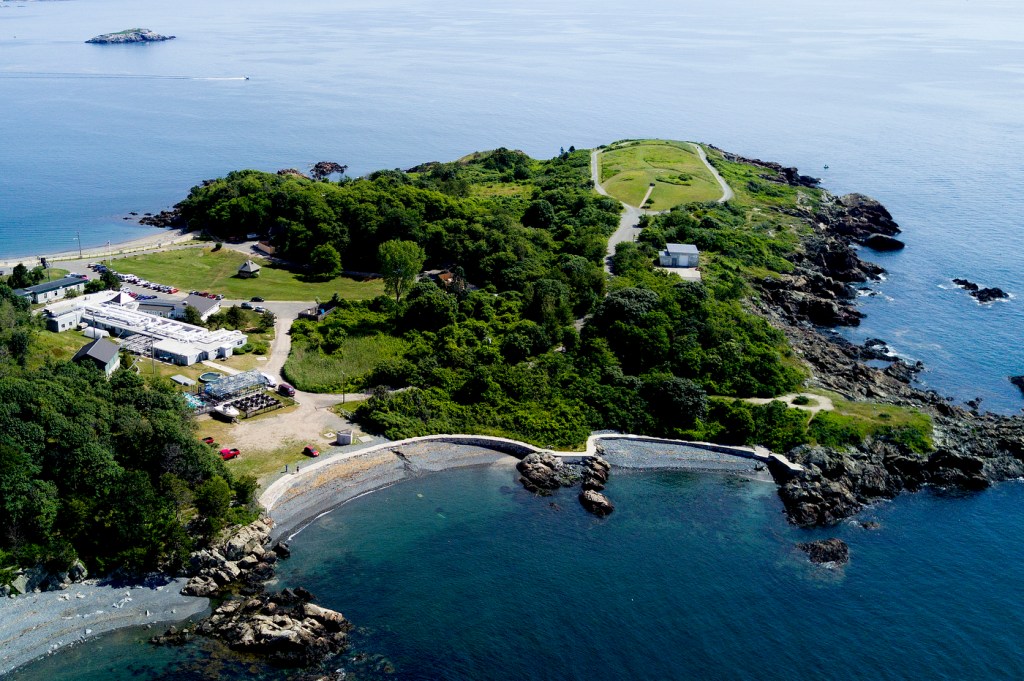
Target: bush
(801,400)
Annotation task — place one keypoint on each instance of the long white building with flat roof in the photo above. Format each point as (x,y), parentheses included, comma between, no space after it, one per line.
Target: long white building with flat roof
(170,340)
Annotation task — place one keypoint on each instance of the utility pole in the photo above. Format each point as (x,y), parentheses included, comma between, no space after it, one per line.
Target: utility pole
(78,235)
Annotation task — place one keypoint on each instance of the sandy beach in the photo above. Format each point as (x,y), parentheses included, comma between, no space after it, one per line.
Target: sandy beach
(38,624)
(160,238)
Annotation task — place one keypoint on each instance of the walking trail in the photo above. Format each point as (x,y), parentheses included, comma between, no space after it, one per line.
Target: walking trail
(627,230)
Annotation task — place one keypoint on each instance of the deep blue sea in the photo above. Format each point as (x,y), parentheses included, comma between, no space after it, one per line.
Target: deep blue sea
(916,103)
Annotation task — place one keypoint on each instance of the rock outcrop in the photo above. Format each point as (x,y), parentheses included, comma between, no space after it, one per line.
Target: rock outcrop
(882,242)
(542,473)
(240,559)
(1019,382)
(286,628)
(979,293)
(596,503)
(827,551)
(39,578)
(131,35)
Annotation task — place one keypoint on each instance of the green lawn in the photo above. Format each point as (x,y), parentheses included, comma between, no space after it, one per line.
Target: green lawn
(207,270)
(56,346)
(628,169)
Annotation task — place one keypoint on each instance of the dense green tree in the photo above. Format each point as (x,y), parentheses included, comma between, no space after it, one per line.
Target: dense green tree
(325,261)
(400,263)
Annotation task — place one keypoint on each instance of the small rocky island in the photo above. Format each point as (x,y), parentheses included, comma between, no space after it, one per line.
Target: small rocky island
(131,35)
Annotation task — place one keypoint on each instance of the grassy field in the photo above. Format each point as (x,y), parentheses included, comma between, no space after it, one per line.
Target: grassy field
(629,169)
(207,270)
(311,371)
(856,420)
(56,346)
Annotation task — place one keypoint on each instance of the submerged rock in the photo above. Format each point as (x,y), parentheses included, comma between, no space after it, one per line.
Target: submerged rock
(131,35)
(1018,381)
(826,551)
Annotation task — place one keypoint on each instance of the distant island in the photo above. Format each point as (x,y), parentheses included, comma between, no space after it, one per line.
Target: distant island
(131,35)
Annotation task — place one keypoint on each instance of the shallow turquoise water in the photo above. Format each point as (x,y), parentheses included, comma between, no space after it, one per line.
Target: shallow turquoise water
(462,575)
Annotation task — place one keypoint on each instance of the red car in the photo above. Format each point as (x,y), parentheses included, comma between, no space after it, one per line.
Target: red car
(208,440)
(309,451)
(229,453)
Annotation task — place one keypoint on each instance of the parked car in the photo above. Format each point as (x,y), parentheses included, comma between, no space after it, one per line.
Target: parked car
(246,306)
(260,309)
(286,390)
(309,450)
(173,290)
(208,440)
(256,299)
(229,453)
(271,383)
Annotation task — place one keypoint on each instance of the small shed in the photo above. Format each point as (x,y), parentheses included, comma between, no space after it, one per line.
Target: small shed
(183,380)
(679,255)
(101,353)
(248,269)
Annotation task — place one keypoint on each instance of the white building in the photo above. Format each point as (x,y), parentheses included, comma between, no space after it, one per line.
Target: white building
(51,290)
(169,339)
(679,255)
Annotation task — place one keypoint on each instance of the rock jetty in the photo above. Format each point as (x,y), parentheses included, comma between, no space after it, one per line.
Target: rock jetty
(131,35)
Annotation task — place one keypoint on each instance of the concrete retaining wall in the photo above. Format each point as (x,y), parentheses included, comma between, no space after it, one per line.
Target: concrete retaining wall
(273,494)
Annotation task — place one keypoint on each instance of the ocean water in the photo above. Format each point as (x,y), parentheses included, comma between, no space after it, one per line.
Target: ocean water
(463,575)
(916,103)
(451,576)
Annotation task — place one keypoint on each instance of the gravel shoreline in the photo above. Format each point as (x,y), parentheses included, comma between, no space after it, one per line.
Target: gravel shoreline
(37,624)
(336,482)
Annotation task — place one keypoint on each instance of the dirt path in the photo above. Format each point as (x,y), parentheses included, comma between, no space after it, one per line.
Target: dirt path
(727,192)
(818,402)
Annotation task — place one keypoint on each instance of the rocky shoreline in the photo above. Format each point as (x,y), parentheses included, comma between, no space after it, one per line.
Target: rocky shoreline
(971,449)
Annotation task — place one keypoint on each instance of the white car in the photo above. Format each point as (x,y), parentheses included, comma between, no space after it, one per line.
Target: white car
(271,383)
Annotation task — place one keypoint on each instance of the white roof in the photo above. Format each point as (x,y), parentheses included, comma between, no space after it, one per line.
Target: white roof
(175,347)
(689,249)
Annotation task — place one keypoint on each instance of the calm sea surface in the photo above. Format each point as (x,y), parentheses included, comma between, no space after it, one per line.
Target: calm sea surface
(915,103)
(918,103)
(463,575)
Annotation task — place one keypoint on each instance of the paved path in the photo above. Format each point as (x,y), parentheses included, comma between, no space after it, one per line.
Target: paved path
(727,192)
(627,230)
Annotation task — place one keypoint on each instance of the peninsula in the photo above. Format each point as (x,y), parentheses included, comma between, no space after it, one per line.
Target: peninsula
(521,303)
(131,35)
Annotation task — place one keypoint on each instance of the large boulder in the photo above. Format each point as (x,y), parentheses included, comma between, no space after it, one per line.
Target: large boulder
(596,503)
(541,473)
(882,242)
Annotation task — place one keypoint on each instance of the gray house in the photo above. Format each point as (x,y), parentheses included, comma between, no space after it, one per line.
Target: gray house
(205,306)
(679,255)
(101,353)
(51,290)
